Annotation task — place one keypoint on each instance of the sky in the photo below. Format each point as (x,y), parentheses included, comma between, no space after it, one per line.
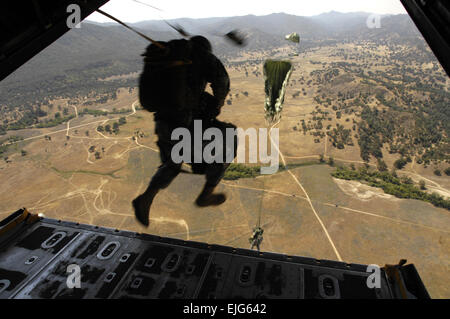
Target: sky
(131,11)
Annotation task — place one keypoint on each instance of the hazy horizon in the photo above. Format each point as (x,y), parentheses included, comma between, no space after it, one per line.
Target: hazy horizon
(134,11)
(224,17)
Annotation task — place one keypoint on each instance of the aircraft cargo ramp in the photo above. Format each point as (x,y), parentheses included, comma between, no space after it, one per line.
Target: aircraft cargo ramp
(37,256)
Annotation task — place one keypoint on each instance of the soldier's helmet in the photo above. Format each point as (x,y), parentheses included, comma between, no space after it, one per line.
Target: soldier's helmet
(201,42)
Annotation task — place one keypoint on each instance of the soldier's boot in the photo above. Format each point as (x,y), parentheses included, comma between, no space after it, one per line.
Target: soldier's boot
(141,205)
(207,198)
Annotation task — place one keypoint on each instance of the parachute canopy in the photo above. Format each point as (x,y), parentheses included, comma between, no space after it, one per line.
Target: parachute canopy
(293,37)
(276,75)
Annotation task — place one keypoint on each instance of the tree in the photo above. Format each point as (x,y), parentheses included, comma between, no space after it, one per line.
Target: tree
(108,128)
(100,128)
(422,185)
(97,155)
(381,165)
(331,161)
(437,172)
(400,163)
(116,127)
(394,173)
(407,180)
(122,121)
(447,171)
(24,153)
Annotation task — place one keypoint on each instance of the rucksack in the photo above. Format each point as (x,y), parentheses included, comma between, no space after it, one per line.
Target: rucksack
(163,84)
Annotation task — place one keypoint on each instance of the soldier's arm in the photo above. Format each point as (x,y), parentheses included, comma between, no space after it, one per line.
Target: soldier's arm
(219,79)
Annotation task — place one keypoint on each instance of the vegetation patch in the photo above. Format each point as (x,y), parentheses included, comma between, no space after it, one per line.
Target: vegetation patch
(55,122)
(237,171)
(391,184)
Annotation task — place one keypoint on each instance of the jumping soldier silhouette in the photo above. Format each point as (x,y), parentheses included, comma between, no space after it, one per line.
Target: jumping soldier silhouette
(172,86)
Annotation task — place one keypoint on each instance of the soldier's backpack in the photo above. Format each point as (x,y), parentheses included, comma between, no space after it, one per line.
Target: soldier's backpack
(163,85)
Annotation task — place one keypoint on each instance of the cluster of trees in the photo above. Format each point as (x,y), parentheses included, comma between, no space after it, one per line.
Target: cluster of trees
(447,171)
(400,163)
(391,184)
(115,128)
(103,113)
(408,133)
(340,137)
(56,121)
(30,116)
(121,111)
(438,172)
(237,171)
(97,153)
(414,117)
(103,99)
(93,112)
(374,129)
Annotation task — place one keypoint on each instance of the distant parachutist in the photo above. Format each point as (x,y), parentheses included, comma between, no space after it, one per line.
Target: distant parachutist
(236,37)
(256,238)
(293,37)
(179,29)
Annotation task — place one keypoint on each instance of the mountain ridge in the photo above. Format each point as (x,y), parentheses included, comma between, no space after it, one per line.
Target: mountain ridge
(83,55)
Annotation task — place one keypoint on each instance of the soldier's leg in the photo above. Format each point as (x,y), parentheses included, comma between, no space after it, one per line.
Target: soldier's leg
(165,174)
(214,174)
(215,171)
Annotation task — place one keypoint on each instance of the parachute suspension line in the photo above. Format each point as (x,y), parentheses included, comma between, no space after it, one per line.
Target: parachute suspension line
(177,28)
(256,238)
(130,28)
(234,36)
(148,5)
(260,207)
